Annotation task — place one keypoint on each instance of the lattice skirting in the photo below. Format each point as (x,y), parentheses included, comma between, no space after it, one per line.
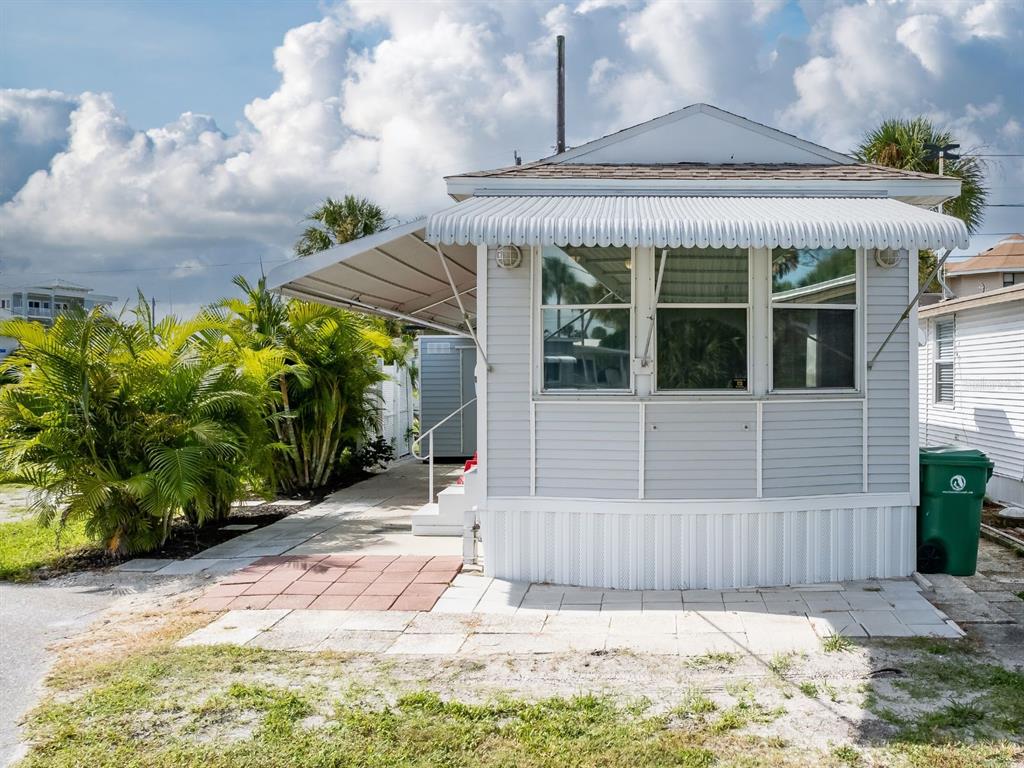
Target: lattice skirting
(669,550)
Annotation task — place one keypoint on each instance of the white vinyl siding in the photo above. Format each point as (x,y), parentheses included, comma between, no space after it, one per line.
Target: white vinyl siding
(508,381)
(988,413)
(700,451)
(887,383)
(813,449)
(588,450)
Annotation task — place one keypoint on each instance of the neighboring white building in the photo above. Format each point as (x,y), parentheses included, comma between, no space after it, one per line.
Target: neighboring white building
(43,303)
(972,381)
(694,369)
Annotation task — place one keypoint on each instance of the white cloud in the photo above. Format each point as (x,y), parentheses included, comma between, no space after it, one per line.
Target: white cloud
(457,86)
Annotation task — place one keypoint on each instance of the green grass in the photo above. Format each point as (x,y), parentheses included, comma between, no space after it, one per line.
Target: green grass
(714,659)
(221,707)
(1020,595)
(836,643)
(26,547)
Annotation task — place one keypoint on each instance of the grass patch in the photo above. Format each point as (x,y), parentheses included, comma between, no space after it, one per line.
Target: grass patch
(781,664)
(27,547)
(808,689)
(950,697)
(716,659)
(847,755)
(836,643)
(1020,595)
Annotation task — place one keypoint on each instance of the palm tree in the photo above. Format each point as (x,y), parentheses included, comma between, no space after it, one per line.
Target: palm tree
(339,222)
(323,404)
(127,424)
(900,143)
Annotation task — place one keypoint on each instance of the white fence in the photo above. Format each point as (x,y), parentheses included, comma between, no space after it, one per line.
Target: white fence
(396,408)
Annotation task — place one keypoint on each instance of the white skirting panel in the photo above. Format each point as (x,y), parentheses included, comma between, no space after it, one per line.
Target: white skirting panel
(690,550)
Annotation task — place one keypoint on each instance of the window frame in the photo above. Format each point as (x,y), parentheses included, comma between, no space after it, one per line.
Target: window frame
(537,309)
(858,333)
(938,361)
(1009,279)
(748,307)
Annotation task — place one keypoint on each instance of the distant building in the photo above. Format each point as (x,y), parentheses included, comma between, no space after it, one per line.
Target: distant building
(43,303)
(1001,266)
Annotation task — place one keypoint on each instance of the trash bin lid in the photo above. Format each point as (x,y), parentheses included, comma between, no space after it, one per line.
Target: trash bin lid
(954,454)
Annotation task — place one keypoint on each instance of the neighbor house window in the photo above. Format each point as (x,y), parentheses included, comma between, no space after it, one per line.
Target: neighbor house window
(586,295)
(1008,279)
(814,318)
(945,335)
(702,319)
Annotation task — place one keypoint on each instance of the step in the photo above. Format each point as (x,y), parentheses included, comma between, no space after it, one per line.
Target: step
(427,521)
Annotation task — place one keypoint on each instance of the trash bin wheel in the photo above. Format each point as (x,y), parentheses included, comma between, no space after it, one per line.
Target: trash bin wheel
(931,557)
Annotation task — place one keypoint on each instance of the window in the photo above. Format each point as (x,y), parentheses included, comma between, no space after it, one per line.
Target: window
(945,336)
(814,314)
(586,296)
(5,304)
(702,319)
(1008,279)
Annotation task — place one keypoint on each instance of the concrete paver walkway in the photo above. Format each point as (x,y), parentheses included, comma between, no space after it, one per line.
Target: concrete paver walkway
(372,517)
(335,582)
(483,616)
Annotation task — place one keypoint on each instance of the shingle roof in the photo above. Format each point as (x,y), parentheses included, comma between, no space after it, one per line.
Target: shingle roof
(699,171)
(1006,255)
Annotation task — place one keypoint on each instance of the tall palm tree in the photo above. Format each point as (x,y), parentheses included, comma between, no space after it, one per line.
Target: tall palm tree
(338,222)
(900,143)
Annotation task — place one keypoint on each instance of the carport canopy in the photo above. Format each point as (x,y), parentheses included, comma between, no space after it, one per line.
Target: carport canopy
(394,273)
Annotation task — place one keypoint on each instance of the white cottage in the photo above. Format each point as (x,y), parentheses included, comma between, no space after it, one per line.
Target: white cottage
(971,373)
(696,352)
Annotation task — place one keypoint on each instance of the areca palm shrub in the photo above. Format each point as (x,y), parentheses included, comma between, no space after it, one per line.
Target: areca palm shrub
(326,404)
(127,424)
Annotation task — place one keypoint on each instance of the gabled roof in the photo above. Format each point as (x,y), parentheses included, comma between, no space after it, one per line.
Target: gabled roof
(1005,256)
(703,150)
(692,111)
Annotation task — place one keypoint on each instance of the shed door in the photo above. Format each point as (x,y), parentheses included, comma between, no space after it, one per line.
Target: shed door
(468,365)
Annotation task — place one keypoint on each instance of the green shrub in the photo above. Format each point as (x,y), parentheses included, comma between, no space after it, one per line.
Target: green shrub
(125,423)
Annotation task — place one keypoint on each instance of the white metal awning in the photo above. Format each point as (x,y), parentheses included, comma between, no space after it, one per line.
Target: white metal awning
(392,273)
(674,221)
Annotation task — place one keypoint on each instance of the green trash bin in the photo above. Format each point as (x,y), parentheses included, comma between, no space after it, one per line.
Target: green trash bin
(953,482)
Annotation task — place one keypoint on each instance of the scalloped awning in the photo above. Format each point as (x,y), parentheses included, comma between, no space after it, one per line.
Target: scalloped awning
(688,222)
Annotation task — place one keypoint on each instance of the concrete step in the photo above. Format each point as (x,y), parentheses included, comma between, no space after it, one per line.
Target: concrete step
(427,521)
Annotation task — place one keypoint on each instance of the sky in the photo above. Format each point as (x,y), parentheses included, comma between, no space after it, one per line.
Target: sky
(167,146)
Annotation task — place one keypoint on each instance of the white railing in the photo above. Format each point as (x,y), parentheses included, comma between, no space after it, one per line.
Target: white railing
(429,434)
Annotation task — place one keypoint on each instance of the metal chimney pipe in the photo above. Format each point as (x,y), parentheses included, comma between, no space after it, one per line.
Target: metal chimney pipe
(560,138)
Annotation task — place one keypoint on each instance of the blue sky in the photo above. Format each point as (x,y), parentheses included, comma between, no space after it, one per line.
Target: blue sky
(129,160)
(160,58)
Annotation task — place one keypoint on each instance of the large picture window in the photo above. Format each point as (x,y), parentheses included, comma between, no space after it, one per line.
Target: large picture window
(586,295)
(814,312)
(702,310)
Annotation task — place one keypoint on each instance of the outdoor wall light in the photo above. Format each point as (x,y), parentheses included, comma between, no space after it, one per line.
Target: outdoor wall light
(508,257)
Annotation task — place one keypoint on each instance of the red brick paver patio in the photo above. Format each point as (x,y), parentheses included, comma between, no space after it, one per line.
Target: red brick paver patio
(335,582)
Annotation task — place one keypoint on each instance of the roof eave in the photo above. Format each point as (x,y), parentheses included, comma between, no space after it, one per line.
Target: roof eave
(928,192)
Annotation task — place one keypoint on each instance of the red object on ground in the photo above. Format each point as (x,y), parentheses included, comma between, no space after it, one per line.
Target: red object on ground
(335,582)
